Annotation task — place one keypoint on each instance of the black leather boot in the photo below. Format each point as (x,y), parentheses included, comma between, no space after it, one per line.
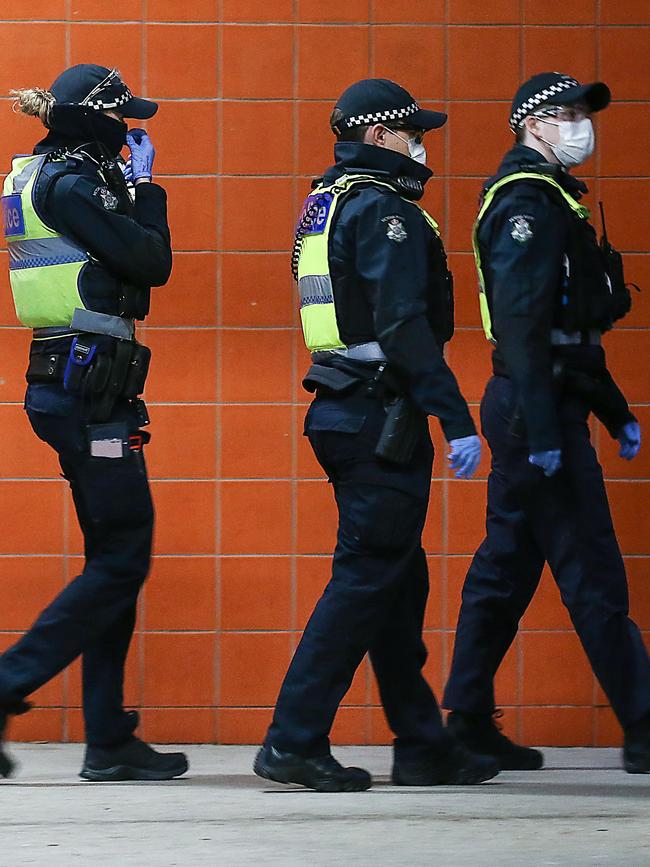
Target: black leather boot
(133,760)
(323,773)
(480,733)
(7,765)
(636,748)
(456,766)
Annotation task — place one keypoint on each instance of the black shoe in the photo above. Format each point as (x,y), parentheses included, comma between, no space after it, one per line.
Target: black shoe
(324,773)
(636,748)
(133,760)
(480,733)
(7,765)
(456,767)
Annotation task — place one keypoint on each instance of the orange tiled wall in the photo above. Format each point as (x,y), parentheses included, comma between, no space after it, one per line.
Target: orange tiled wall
(245,520)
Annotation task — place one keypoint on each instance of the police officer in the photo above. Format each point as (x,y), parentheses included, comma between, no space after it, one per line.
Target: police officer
(548,293)
(83,253)
(376,310)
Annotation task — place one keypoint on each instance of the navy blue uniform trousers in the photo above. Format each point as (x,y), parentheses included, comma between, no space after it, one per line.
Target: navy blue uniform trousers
(377,594)
(564,520)
(95,614)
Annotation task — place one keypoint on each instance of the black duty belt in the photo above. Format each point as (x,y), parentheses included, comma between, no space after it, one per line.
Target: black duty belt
(378,380)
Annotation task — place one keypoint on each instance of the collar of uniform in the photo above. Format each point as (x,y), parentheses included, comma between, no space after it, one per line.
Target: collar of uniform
(521,155)
(55,141)
(359,158)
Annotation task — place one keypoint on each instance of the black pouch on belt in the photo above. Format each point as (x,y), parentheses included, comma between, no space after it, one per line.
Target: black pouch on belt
(81,361)
(400,433)
(138,370)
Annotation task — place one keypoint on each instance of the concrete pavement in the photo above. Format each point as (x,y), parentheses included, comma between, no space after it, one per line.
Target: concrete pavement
(581,809)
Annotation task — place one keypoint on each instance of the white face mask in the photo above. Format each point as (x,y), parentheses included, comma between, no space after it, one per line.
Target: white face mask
(417,151)
(577,141)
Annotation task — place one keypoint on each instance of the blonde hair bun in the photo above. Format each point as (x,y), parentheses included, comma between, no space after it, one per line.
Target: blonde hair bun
(34,101)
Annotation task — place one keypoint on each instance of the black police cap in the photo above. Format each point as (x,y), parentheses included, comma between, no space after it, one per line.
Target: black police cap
(378,100)
(555,88)
(101,89)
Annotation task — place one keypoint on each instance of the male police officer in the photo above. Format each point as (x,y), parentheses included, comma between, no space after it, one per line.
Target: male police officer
(548,292)
(376,311)
(82,256)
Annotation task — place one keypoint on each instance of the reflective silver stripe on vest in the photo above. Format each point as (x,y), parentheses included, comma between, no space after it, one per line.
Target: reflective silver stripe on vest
(41,252)
(360,352)
(575,338)
(315,289)
(102,323)
(21,180)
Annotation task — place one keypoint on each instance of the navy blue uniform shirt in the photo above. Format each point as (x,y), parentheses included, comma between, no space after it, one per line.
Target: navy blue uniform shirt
(386,265)
(523,239)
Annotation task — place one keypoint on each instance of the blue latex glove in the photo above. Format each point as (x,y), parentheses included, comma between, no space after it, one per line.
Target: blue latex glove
(549,461)
(630,440)
(142,153)
(465,456)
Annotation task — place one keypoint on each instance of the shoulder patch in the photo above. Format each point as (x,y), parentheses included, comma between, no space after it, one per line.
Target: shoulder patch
(522,229)
(395,230)
(108,199)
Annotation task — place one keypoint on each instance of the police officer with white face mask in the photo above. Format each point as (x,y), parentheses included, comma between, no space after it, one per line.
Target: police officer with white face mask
(376,309)
(548,293)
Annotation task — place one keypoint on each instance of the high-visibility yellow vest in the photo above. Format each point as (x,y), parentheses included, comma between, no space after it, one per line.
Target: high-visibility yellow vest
(580,210)
(317,309)
(44,266)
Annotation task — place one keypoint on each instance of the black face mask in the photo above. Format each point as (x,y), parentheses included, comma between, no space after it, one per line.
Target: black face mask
(84,126)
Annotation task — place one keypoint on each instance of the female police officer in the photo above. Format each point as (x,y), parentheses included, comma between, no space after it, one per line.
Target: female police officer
(548,293)
(83,253)
(376,309)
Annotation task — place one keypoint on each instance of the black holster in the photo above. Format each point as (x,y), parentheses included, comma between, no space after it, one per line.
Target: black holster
(401,431)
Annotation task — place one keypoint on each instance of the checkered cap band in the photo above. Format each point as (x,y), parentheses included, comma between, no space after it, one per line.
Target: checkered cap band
(546,95)
(379,116)
(101,103)
(110,93)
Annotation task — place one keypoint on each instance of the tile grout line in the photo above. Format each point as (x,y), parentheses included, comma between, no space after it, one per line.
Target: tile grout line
(444,661)
(311,25)
(295,359)
(597,438)
(65,508)
(218,570)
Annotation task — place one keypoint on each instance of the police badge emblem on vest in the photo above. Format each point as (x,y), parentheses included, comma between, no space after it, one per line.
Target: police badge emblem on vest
(395,230)
(521,228)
